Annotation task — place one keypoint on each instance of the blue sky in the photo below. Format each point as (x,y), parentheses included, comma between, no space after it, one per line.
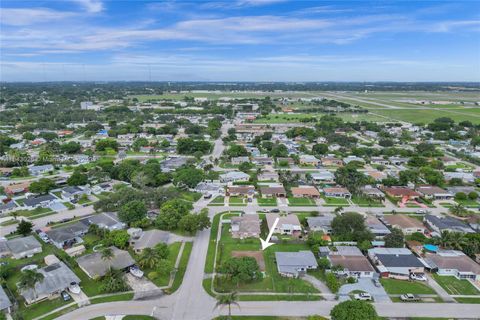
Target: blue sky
(239,40)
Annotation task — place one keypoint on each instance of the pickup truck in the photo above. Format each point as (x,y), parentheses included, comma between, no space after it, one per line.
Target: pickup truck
(409,297)
(362,296)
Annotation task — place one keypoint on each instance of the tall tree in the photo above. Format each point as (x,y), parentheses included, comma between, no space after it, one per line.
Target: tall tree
(227,300)
(29,279)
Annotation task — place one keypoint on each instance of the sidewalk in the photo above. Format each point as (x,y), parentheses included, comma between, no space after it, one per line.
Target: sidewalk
(439,290)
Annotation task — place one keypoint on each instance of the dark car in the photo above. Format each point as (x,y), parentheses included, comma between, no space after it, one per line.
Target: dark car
(275,210)
(66,296)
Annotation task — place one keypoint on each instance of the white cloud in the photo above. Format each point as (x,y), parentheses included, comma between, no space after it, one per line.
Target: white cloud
(255,3)
(92,6)
(26,16)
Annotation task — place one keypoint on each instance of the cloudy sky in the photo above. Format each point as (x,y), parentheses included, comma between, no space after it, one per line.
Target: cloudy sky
(239,40)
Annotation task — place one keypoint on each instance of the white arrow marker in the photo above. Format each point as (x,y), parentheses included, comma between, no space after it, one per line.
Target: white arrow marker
(266,243)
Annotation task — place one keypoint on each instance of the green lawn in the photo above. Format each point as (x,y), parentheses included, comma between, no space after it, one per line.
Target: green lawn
(163,280)
(272,202)
(182,267)
(37,309)
(237,201)
(393,286)
(272,282)
(68,205)
(283,297)
(331,201)
(34,212)
(301,202)
(366,202)
(468,300)
(456,287)
(217,201)
(119,297)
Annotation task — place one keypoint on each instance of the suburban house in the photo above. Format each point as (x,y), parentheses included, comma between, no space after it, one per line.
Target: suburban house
(379,161)
(466,177)
(240,191)
(398,160)
(290,161)
(262,161)
(239,160)
(245,226)
(23,247)
(376,227)
(320,223)
(453,263)
(74,192)
(464,189)
(287,225)
(57,277)
(401,192)
(7,207)
(38,170)
(210,188)
(15,188)
(349,159)
(173,163)
(331,161)
(351,260)
(42,201)
(94,266)
(295,264)
(305,192)
(274,191)
(434,193)
(268,176)
(5,303)
(396,263)
(322,176)
(373,192)
(66,236)
(439,224)
(407,224)
(147,239)
(106,220)
(337,192)
(308,160)
(234,176)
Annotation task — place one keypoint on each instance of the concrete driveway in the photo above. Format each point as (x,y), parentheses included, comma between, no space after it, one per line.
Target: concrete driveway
(142,287)
(365,284)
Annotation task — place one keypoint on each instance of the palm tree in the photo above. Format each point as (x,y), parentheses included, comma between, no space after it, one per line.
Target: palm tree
(107,254)
(149,258)
(15,215)
(227,300)
(444,240)
(457,240)
(458,210)
(29,279)
(338,210)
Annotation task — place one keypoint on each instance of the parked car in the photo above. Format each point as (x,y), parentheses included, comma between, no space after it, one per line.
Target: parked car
(29,267)
(409,297)
(418,277)
(362,296)
(376,283)
(74,288)
(421,211)
(275,210)
(66,296)
(44,237)
(207,196)
(136,272)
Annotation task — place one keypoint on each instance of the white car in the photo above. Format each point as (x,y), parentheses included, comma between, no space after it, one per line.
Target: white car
(362,296)
(29,267)
(136,272)
(409,297)
(418,277)
(74,288)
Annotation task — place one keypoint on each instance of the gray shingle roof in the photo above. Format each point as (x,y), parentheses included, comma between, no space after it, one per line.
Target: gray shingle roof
(399,261)
(19,245)
(4,300)
(57,277)
(94,265)
(31,202)
(290,262)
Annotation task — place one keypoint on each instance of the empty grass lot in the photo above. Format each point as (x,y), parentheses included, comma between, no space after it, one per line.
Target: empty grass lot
(237,201)
(393,286)
(456,287)
(301,202)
